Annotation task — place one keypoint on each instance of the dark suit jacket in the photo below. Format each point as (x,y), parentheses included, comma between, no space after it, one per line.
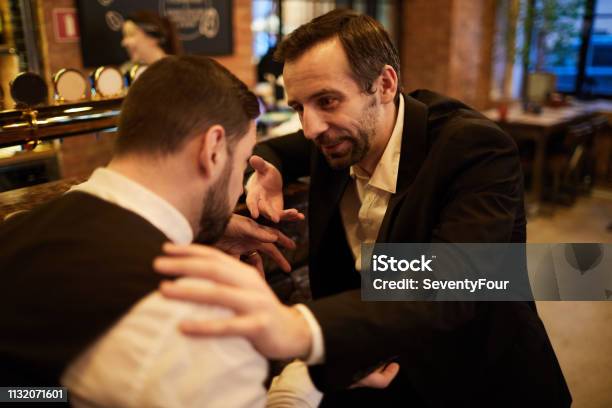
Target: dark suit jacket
(459,181)
(70,269)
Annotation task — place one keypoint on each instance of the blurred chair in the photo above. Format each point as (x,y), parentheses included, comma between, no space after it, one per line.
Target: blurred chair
(601,124)
(568,164)
(602,150)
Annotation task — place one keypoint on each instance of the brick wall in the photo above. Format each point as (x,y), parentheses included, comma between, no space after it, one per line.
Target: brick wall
(241,62)
(447,47)
(426,36)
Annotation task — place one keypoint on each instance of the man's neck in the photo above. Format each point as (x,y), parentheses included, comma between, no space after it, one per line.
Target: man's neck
(383,134)
(163,187)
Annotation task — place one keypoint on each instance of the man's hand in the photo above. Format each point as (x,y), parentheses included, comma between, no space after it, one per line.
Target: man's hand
(275,330)
(245,237)
(265,193)
(381,378)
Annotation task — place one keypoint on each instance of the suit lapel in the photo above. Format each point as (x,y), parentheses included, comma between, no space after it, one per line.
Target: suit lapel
(413,153)
(326,198)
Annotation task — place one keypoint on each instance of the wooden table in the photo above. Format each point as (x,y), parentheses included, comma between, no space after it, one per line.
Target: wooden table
(538,128)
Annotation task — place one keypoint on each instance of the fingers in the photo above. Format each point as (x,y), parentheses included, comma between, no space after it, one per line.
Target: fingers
(189,266)
(381,378)
(291,214)
(389,373)
(279,237)
(258,205)
(192,249)
(258,232)
(284,241)
(238,300)
(273,252)
(259,266)
(205,262)
(196,251)
(258,164)
(256,261)
(252,203)
(268,210)
(245,326)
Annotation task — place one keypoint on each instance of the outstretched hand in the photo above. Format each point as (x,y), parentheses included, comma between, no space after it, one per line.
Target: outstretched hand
(265,193)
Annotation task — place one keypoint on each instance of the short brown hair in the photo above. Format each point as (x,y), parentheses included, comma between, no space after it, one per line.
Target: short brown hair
(177,98)
(365,41)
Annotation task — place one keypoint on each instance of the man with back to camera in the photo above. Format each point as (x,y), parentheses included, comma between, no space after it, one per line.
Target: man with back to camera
(384,166)
(79,301)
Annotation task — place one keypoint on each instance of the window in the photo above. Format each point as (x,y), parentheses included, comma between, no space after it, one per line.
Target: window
(598,67)
(558,52)
(573,40)
(265,26)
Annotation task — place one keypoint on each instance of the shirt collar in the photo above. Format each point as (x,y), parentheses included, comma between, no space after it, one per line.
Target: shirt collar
(116,188)
(385,173)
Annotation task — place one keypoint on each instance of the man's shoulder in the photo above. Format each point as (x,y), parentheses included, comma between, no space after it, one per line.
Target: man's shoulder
(79,213)
(71,231)
(153,362)
(452,121)
(437,102)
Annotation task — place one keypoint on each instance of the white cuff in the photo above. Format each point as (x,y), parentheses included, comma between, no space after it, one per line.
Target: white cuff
(293,388)
(317,350)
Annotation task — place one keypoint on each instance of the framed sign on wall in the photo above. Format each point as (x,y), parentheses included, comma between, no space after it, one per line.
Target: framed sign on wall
(204,26)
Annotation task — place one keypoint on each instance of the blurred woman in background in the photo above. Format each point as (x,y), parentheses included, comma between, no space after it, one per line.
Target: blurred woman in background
(147,37)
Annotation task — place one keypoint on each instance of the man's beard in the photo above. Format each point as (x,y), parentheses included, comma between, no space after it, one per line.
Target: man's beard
(216,212)
(360,143)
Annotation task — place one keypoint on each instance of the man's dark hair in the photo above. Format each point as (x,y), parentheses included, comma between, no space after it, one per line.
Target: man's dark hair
(180,97)
(365,41)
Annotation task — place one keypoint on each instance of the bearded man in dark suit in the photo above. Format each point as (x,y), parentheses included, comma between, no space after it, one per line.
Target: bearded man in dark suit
(387,166)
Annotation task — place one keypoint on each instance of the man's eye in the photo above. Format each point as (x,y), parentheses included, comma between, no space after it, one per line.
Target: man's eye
(327,103)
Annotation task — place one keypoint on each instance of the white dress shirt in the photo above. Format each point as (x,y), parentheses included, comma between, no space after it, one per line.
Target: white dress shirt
(363,208)
(365,200)
(144,361)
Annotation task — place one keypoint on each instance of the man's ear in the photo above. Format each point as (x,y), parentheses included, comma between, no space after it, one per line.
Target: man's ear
(388,85)
(213,151)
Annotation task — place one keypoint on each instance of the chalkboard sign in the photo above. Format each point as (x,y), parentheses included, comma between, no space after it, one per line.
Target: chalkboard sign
(204,26)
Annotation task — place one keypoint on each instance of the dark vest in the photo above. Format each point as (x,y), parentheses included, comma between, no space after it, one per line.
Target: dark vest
(69,270)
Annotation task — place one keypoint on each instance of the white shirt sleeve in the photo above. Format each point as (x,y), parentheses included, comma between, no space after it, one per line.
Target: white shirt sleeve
(145,361)
(293,388)
(317,351)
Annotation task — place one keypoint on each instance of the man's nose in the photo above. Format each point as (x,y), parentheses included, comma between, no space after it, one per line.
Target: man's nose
(313,124)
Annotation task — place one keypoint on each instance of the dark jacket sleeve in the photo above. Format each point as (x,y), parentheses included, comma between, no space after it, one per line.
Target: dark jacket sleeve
(481,182)
(290,154)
